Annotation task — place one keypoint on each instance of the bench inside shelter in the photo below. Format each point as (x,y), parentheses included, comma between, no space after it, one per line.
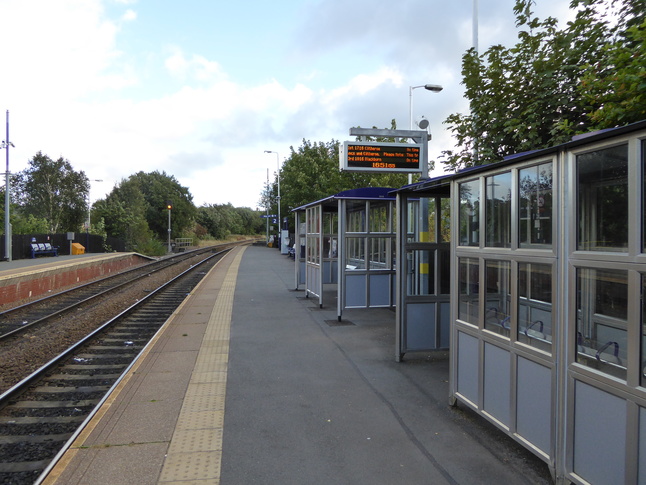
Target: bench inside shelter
(43,249)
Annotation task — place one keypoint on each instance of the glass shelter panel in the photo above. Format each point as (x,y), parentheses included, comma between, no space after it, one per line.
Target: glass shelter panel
(379,218)
(470,213)
(356,216)
(430,206)
(602,317)
(535,305)
(355,254)
(420,271)
(602,196)
(380,251)
(498,297)
(498,210)
(469,288)
(535,204)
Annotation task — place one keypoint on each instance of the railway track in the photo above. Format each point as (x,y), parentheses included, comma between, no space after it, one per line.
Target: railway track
(26,317)
(41,415)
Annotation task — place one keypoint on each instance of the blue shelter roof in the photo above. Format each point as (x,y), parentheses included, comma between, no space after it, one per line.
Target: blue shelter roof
(365,193)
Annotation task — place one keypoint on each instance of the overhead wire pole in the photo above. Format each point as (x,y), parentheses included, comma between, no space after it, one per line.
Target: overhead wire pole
(7,199)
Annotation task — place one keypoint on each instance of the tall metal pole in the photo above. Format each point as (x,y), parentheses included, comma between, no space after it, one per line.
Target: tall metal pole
(267,211)
(169,248)
(7,222)
(280,222)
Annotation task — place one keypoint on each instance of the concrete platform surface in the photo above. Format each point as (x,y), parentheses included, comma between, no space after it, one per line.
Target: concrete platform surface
(251,382)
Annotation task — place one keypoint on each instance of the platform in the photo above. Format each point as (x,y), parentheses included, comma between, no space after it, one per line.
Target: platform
(251,382)
(26,278)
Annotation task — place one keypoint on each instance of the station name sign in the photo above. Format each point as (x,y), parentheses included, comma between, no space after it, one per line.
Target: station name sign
(380,157)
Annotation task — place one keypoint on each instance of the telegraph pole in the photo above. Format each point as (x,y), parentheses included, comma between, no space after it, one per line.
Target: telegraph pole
(7,223)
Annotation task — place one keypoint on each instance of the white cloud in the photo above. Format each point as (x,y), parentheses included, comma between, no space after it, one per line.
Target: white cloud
(129,15)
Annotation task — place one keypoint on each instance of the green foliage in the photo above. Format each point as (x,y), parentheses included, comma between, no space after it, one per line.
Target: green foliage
(157,188)
(312,173)
(553,83)
(220,221)
(51,190)
(123,214)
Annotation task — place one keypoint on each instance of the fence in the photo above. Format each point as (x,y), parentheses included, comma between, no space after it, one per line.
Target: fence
(92,243)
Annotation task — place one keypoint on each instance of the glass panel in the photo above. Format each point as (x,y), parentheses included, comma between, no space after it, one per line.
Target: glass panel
(444,267)
(313,220)
(313,250)
(331,223)
(330,249)
(379,217)
(469,284)
(535,201)
(643,217)
(469,213)
(602,184)
(429,206)
(379,252)
(498,297)
(356,258)
(535,305)
(411,220)
(445,221)
(602,310)
(420,271)
(356,216)
(498,213)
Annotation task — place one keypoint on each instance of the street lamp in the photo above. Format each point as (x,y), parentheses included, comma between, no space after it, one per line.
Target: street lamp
(169,206)
(429,87)
(280,222)
(436,88)
(423,207)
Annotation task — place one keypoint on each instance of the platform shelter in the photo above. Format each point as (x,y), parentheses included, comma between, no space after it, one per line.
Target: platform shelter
(548,300)
(348,240)
(423,259)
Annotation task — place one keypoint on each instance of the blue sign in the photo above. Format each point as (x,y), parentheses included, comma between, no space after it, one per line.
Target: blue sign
(265,216)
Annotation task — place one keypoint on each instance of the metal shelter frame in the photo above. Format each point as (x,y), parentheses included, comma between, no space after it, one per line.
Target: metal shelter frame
(354,227)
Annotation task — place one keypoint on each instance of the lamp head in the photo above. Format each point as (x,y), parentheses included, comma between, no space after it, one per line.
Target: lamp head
(436,88)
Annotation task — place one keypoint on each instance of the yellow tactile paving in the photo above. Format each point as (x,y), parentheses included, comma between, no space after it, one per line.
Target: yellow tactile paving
(195,450)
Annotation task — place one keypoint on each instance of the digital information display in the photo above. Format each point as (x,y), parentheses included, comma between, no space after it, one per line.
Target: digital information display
(380,157)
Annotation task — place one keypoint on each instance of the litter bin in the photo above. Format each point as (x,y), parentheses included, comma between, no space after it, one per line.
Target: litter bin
(77,248)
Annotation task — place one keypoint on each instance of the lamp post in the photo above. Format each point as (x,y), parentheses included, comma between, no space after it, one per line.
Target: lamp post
(7,200)
(169,206)
(423,208)
(89,207)
(280,222)
(429,87)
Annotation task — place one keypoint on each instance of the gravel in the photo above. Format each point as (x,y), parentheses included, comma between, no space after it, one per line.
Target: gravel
(25,353)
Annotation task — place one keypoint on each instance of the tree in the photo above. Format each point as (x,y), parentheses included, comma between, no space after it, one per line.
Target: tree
(122,214)
(51,190)
(157,188)
(312,172)
(223,220)
(532,96)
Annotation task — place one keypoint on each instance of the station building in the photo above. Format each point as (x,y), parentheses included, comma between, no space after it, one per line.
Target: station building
(532,272)
(548,300)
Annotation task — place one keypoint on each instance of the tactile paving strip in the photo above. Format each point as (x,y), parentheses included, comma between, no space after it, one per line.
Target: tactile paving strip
(195,451)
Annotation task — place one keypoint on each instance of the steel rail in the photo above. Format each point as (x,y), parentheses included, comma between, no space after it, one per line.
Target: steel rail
(29,381)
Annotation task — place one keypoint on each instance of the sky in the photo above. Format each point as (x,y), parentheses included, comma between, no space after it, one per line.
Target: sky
(200,89)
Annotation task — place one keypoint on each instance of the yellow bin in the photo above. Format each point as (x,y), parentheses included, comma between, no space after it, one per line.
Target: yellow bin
(78,248)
